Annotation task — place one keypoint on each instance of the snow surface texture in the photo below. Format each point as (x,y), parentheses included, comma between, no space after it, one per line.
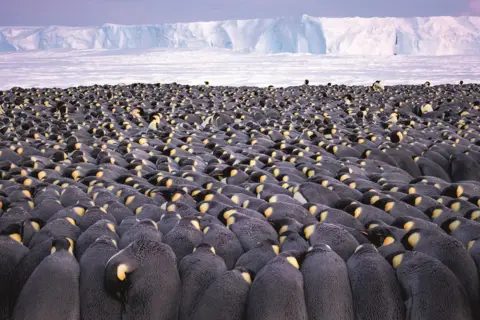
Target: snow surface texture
(65,68)
(305,34)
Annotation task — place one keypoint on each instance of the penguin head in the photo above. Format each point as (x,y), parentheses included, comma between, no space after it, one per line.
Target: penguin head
(395,258)
(473,214)
(247,274)
(205,247)
(453,191)
(411,238)
(307,230)
(13,231)
(62,243)
(380,235)
(451,224)
(117,274)
(294,258)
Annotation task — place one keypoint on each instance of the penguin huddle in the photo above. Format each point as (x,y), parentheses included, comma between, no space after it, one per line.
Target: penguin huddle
(169,201)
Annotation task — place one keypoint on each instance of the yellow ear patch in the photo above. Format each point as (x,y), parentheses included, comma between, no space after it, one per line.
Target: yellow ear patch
(388,240)
(397,260)
(79,211)
(413,239)
(282,239)
(246,276)
(16,236)
(35,225)
(323,215)
(312,209)
(283,229)
(213,250)
(436,213)
(230,221)
(309,231)
(111,226)
(293,262)
(209,197)
(470,244)
(389,206)
(228,213)
(129,200)
(268,212)
(122,270)
(357,212)
(454,225)
(204,207)
(71,221)
(196,224)
(205,230)
(408,225)
(276,249)
(418,201)
(459,191)
(456,206)
(475,215)
(235,199)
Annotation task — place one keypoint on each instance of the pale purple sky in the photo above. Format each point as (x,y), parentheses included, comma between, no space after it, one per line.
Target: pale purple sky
(97,12)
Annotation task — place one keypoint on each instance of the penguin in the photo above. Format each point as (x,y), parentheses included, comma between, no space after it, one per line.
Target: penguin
(339,239)
(58,273)
(145,278)
(371,275)
(463,167)
(185,236)
(292,241)
(92,215)
(26,266)
(12,251)
(95,302)
(333,299)
(197,270)
(366,213)
(277,292)
(225,297)
(58,228)
(450,252)
(462,229)
(257,257)
(250,231)
(420,275)
(226,244)
(168,221)
(100,228)
(311,192)
(144,229)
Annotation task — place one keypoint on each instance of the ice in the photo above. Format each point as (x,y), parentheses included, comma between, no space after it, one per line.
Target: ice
(303,34)
(64,68)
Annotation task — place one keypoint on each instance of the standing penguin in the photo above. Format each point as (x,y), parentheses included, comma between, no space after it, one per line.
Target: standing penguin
(225,243)
(370,277)
(11,253)
(431,290)
(58,274)
(185,236)
(95,302)
(277,292)
(197,270)
(451,253)
(144,276)
(327,288)
(225,297)
(340,240)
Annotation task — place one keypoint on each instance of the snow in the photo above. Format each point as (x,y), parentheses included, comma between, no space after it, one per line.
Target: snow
(305,34)
(65,68)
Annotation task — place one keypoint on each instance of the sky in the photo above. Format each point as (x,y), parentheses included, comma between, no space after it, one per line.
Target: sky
(98,12)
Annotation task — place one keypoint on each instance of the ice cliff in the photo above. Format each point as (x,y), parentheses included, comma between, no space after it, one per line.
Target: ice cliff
(305,34)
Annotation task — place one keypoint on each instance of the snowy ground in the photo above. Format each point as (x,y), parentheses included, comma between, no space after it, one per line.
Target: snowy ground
(222,67)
